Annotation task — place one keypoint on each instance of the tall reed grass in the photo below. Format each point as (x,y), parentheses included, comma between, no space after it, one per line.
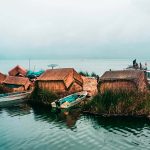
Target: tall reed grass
(119,102)
(42,96)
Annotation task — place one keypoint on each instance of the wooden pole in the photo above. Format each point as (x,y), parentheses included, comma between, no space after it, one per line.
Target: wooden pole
(29,63)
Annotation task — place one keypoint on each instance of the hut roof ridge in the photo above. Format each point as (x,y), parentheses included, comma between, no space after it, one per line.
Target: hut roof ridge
(121,75)
(16,80)
(60,74)
(56,74)
(18,67)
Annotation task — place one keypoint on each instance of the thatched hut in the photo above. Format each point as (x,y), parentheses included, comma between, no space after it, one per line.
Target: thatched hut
(16,84)
(123,80)
(61,80)
(2,77)
(18,71)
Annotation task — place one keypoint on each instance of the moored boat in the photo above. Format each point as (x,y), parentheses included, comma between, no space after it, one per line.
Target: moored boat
(70,100)
(13,98)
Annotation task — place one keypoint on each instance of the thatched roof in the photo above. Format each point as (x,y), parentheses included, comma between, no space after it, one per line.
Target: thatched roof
(2,77)
(22,81)
(132,75)
(67,75)
(18,70)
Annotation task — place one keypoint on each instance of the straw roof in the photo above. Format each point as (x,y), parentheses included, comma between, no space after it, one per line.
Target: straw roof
(2,77)
(16,70)
(22,81)
(61,75)
(132,75)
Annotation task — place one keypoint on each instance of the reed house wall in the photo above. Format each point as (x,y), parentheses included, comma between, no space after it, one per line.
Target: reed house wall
(56,86)
(117,85)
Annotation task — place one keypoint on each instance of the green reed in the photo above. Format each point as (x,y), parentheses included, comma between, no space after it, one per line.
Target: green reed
(42,96)
(120,102)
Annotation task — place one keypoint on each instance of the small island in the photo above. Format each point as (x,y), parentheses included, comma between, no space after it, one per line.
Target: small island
(115,93)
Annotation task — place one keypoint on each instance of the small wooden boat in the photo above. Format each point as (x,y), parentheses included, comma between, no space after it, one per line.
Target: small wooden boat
(70,100)
(13,98)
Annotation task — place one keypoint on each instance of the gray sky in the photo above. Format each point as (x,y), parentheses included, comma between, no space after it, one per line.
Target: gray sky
(74,28)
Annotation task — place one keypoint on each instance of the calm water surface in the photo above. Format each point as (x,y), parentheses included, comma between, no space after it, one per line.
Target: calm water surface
(24,127)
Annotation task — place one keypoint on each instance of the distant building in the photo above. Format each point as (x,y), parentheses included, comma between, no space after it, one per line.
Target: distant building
(61,80)
(18,71)
(123,80)
(16,84)
(2,77)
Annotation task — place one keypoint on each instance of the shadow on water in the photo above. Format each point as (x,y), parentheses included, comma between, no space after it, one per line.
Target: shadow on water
(69,118)
(0,110)
(123,123)
(17,110)
(62,118)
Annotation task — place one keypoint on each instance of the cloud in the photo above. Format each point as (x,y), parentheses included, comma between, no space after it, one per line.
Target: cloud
(90,28)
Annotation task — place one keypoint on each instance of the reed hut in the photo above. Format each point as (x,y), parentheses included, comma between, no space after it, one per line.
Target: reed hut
(18,71)
(61,80)
(123,80)
(16,84)
(2,77)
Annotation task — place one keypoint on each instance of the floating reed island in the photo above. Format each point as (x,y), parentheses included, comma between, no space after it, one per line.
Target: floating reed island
(121,92)
(119,103)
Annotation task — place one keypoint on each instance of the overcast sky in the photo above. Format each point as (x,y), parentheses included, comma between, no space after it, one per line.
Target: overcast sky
(74,28)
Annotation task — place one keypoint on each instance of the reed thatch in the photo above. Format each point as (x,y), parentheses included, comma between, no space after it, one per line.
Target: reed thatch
(61,80)
(90,85)
(18,71)
(124,79)
(17,83)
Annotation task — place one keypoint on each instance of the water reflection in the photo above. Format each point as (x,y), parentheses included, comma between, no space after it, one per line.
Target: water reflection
(39,128)
(119,122)
(17,110)
(70,117)
(0,110)
(65,118)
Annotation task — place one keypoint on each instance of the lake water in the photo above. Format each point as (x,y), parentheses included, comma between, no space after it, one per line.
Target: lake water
(98,66)
(26,128)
